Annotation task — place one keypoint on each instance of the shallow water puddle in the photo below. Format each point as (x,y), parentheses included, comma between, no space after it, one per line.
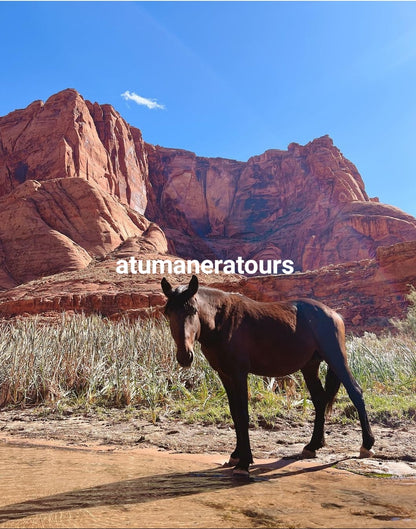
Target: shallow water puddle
(56,487)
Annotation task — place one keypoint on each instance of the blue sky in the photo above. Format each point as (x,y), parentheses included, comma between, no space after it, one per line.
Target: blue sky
(233,78)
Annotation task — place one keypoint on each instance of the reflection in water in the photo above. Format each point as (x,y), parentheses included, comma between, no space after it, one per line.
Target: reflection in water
(114,489)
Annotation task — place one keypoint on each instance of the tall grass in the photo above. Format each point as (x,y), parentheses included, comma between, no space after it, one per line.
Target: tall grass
(387,363)
(96,361)
(91,361)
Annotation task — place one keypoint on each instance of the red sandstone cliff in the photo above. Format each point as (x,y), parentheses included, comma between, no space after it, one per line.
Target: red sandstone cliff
(72,187)
(307,204)
(47,227)
(70,137)
(79,187)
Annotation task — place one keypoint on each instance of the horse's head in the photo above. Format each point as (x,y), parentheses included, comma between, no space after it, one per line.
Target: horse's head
(181,310)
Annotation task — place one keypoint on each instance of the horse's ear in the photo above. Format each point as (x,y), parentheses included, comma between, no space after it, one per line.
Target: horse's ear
(193,286)
(166,287)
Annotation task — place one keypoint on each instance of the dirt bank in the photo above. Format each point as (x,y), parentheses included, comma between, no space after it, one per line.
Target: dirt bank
(120,429)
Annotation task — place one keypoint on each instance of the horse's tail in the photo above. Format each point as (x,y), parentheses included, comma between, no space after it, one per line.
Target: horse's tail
(332,384)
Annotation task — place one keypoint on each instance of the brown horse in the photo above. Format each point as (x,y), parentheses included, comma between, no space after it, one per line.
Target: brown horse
(239,336)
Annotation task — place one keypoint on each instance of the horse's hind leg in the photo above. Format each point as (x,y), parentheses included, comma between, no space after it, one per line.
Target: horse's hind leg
(337,362)
(356,395)
(319,399)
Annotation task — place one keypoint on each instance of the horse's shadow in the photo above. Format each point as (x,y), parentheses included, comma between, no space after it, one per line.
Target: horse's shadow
(150,488)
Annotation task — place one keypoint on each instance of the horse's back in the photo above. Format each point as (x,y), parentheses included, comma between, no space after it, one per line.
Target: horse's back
(297,316)
(281,337)
(268,336)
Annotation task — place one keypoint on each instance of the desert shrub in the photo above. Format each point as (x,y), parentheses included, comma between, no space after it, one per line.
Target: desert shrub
(408,324)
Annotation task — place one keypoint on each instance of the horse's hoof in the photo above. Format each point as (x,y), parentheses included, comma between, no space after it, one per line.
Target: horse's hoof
(232,462)
(364,452)
(241,472)
(308,454)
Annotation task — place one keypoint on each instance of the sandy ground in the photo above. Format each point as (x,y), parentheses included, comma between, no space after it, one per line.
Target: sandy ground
(113,470)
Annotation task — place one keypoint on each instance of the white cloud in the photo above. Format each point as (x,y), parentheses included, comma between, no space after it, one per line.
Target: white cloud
(149,103)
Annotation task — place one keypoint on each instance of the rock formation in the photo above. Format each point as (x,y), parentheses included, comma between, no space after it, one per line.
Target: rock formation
(307,204)
(70,137)
(80,189)
(367,293)
(55,225)
(72,187)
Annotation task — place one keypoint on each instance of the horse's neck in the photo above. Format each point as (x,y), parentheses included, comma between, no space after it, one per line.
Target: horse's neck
(213,306)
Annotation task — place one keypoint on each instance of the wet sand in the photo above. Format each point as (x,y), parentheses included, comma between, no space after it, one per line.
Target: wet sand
(46,485)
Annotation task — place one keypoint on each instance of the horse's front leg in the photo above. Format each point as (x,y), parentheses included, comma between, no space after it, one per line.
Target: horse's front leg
(236,388)
(235,455)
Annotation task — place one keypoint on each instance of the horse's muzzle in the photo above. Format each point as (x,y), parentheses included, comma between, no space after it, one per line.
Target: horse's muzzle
(185,358)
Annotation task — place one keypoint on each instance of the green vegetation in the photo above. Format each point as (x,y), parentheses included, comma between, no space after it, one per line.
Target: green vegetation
(385,367)
(408,325)
(91,362)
